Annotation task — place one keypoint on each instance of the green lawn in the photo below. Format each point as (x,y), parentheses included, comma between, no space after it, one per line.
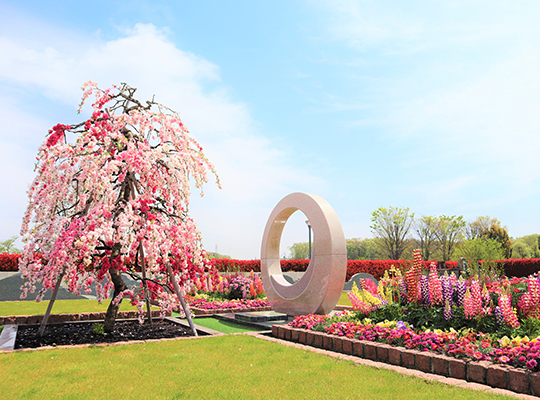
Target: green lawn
(224,326)
(79,306)
(226,367)
(344,300)
(59,307)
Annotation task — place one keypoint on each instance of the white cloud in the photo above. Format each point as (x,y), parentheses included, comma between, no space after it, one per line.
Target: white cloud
(492,122)
(453,90)
(252,168)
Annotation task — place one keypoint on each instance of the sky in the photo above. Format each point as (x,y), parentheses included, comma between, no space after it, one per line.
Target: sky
(428,105)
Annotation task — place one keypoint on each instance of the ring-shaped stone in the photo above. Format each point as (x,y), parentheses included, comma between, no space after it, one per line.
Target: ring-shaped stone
(320,287)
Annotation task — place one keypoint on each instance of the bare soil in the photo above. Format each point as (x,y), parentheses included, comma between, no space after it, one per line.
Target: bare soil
(72,333)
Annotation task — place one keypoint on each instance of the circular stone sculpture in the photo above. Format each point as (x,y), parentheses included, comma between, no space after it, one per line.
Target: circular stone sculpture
(318,291)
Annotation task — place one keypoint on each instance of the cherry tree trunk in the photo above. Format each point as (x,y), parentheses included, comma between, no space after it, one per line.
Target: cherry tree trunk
(112,311)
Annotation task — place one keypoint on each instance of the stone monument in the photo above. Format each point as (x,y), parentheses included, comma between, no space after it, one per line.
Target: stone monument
(318,291)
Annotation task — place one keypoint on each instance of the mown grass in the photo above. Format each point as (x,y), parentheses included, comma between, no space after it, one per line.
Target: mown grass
(226,367)
(344,300)
(59,307)
(79,306)
(224,326)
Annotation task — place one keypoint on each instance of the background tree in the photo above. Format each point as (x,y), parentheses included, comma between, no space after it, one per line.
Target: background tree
(391,226)
(496,232)
(526,247)
(521,250)
(480,226)
(119,192)
(426,231)
(299,251)
(450,232)
(483,249)
(366,249)
(214,255)
(7,246)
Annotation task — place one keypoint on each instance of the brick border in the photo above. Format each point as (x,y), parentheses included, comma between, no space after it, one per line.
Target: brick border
(483,372)
(56,318)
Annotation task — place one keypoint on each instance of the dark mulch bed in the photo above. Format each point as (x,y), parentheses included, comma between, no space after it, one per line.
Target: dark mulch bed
(84,333)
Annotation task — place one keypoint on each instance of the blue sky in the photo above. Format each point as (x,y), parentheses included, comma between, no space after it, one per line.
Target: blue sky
(428,105)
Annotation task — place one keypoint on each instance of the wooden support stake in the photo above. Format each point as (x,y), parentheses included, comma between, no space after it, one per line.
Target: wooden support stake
(145,285)
(51,302)
(181,298)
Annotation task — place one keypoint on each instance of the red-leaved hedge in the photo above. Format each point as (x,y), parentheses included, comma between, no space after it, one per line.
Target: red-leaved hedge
(517,267)
(9,262)
(224,265)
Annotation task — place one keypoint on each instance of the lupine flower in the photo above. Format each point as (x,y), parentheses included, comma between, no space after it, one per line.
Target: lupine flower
(476,297)
(461,288)
(447,313)
(505,304)
(486,298)
(435,288)
(468,305)
(412,277)
(530,302)
(426,301)
(403,290)
(447,290)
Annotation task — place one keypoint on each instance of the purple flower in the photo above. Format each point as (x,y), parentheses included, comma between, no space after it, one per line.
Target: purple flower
(447,289)
(447,313)
(461,290)
(499,317)
(426,301)
(403,290)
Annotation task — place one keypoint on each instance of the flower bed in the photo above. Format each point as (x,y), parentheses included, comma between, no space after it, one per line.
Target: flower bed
(467,344)
(202,306)
(476,327)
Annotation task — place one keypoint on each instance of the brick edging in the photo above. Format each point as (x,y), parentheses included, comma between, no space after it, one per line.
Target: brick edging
(56,318)
(483,372)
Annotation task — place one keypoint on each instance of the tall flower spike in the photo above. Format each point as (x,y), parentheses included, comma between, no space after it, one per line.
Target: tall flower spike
(412,277)
(468,305)
(505,305)
(426,301)
(435,288)
(530,302)
(447,290)
(447,313)
(486,298)
(403,290)
(476,297)
(461,288)
(499,317)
